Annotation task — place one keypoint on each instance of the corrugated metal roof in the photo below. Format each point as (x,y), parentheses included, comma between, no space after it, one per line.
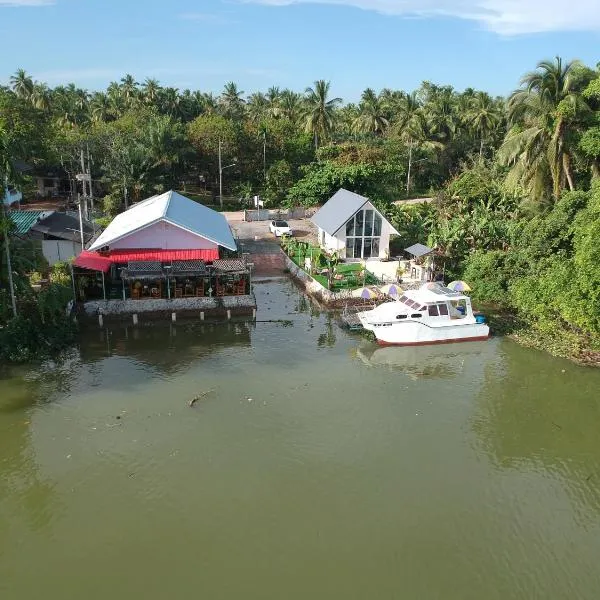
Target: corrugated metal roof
(175,209)
(418,250)
(24,220)
(337,210)
(63,226)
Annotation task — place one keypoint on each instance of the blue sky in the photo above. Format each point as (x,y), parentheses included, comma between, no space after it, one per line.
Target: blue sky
(202,44)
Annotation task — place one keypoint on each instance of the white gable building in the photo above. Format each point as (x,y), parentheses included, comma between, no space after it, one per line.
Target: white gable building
(350,225)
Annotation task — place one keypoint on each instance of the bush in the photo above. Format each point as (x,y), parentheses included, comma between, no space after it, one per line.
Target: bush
(489,274)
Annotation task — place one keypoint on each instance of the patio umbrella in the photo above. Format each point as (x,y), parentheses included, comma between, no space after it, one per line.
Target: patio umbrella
(391,289)
(459,286)
(365,292)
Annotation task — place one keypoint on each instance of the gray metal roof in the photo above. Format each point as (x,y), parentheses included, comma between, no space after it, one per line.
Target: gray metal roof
(63,226)
(341,207)
(337,210)
(418,250)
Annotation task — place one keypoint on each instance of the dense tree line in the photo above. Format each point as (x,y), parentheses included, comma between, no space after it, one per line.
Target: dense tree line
(513,179)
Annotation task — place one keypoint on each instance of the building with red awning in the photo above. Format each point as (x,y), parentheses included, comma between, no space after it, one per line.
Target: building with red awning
(162,247)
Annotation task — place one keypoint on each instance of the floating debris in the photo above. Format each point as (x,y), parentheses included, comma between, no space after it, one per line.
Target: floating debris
(198,397)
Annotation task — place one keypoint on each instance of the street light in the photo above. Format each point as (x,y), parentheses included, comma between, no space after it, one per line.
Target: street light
(221,169)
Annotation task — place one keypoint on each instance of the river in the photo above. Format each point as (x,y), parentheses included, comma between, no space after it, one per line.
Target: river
(313,466)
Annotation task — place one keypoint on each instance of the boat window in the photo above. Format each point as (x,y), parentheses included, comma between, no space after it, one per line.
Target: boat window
(458,309)
(433,310)
(443,309)
(403,298)
(416,316)
(401,316)
(423,308)
(409,302)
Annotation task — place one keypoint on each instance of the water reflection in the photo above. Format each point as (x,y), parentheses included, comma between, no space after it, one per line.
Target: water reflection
(541,415)
(423,362)
(166,348)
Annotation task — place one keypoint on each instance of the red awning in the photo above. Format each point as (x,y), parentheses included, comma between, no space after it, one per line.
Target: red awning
(125,256)
(93,260)
(102,262)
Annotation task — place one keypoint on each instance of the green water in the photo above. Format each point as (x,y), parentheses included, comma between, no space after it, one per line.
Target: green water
(319,467)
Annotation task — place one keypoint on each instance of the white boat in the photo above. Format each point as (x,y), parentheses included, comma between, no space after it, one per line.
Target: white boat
(433,314)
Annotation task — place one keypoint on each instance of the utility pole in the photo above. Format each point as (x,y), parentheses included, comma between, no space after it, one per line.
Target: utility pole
(83,186)
(11,284)
(220,178)
(265,155)
(89,172)
(81,224)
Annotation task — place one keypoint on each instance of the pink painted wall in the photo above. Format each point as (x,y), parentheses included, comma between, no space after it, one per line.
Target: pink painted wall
(165,236)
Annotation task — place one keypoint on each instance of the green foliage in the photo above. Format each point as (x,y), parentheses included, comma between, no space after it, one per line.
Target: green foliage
(279,180)
(489,272)
(323,179)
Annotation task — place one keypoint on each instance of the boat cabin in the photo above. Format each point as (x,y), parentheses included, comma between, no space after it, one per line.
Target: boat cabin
(433,303)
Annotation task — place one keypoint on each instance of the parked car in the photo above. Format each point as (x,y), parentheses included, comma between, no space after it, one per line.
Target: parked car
(279,228)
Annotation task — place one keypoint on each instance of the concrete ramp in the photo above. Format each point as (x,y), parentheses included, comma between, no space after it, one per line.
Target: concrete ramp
(267,257)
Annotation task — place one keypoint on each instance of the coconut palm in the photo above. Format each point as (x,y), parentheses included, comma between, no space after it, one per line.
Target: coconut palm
(273,97)
(150,90)
(129,89)
(257,107)
(411,128)
(371,117)
(210,103)
(441,111)
(320,110)
(40,97)
(100,108)
(232,101)
(290,104)
(544,114)
(483,116)
(21,84)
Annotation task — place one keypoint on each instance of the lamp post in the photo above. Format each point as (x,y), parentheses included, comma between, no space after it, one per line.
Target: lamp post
(221,169)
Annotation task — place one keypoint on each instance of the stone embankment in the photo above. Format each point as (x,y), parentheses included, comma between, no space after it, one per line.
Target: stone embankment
(171,309)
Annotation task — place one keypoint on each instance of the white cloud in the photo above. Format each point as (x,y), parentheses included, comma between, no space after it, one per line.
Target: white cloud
(506,17)
(25,2)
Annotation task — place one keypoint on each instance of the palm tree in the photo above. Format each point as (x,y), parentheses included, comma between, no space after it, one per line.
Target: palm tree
(482,116)
(544,114)
(129,89)
(170,102)
(411,128)
(320,111)
(231,100)
(22,84)
(40,97)
(273,97)
(441,113)
(290,104)
(100,108)
(150,90)
(210,103)
(371,117)
(257,107)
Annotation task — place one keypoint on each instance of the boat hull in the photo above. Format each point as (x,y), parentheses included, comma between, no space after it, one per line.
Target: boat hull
(429,343)
(413,333)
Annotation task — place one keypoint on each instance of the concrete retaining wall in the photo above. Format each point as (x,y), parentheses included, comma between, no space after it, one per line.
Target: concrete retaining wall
(162,308)
(315,289)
